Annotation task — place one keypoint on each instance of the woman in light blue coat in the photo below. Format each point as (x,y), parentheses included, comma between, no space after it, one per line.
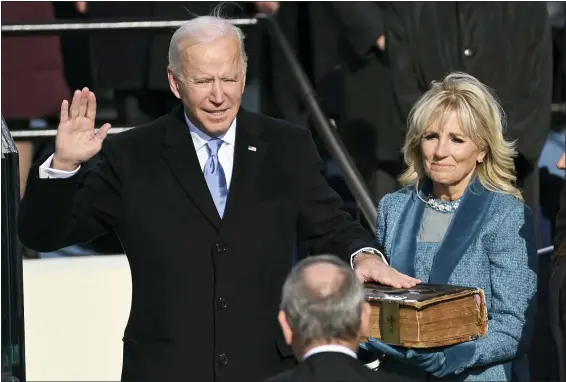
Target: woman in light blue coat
(461,220)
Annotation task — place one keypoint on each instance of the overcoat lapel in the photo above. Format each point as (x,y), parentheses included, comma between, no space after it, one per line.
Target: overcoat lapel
(249,154)
(463,230)
(404,244)
(180,155)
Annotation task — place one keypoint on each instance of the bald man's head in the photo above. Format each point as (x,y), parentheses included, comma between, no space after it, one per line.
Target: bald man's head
(323,279)
(323,300)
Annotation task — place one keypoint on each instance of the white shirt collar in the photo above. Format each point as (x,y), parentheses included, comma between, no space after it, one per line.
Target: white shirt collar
(200,137)
(330,348)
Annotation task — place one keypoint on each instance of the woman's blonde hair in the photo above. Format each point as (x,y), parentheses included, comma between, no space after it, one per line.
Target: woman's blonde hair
(480,117)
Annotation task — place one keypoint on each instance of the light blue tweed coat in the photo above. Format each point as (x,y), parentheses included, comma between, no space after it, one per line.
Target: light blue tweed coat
(490,244)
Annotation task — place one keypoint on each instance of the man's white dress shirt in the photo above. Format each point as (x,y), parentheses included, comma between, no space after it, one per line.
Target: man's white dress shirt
(339,349)
(330,348)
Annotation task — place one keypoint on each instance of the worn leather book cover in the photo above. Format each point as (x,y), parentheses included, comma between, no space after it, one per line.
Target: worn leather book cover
(426,315)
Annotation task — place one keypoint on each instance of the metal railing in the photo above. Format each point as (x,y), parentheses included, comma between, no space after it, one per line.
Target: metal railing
(51,133)
(328,134)
(11,29)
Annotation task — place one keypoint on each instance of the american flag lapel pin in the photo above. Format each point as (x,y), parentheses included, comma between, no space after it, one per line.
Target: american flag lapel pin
(252,148)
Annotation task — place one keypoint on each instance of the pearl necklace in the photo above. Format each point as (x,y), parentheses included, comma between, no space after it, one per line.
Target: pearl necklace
(441,206)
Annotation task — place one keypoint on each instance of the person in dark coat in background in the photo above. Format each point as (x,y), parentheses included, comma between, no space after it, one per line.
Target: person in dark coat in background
(506,45)
(340,46)
(75,47)
(312,36)
(366,125)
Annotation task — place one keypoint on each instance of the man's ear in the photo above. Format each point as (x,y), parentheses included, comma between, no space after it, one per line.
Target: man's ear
(173,83)
(365,320)
(285,327)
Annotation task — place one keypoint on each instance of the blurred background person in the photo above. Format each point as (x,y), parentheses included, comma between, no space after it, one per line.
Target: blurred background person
(366,124)
(75,47)
(506,45)
(323,315)
(312,37)
(341,47)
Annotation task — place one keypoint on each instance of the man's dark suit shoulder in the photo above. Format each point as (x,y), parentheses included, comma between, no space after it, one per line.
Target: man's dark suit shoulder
(327,367)
(274,124)
(142,136)
(275,129)
(335,367)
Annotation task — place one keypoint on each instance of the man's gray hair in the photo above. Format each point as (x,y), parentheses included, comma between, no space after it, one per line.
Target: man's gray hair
(202,30)
(315,314)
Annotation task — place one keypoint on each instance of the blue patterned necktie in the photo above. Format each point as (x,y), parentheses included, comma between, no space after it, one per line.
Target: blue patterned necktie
(214,175)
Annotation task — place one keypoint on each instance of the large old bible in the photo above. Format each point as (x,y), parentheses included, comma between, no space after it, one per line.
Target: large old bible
(426,315)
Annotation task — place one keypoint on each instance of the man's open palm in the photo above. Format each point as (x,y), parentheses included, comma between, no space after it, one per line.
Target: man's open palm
(77,141)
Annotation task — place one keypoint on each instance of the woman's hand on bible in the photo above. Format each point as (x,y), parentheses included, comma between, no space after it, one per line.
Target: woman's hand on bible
(370,268)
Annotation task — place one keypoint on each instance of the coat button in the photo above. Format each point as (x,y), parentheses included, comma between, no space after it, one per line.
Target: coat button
(468,52)
(220,248)
(222,359)
(222,303)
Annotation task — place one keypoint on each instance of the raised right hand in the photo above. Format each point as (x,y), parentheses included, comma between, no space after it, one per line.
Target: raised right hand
(77,141)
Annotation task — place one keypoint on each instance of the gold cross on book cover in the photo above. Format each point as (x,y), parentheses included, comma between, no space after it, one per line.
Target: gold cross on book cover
(426,315)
